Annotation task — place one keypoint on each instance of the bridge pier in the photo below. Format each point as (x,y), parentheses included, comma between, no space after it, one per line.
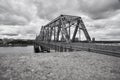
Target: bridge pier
(57,48)
(70,49)
(36,48)
(65,49)
(60,49)
(45,49)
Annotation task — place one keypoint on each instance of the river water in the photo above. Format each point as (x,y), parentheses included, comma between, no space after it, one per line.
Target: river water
(10,50)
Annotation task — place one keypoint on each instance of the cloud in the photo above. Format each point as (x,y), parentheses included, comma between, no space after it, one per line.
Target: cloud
(94,8)
(28,31)
(7,19)
(99,9)
(24,18)
(11,34)
(19,18)
(49,9)
(14,12)
(105,29)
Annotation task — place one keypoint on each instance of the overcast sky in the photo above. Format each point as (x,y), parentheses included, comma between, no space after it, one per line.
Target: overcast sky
(23,18)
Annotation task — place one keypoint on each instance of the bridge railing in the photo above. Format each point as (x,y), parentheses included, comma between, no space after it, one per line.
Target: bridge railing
(81,46)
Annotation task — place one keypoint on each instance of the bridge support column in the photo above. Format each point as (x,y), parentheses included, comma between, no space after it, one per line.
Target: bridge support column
(65,50)
(36,48)
(61,49)
(70,49)
(42,49)
(57,48)
(45,49)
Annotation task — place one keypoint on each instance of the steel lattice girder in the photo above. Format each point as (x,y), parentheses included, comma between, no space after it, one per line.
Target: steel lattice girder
(59,25)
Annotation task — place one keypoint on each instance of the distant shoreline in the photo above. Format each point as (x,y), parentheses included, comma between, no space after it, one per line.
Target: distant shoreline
(15,45)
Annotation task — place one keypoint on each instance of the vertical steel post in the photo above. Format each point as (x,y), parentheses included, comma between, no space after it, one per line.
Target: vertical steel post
(75,31)
(54,33)
(69,31)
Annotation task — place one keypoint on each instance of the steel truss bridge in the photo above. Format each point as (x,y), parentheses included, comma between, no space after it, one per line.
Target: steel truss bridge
(63,34)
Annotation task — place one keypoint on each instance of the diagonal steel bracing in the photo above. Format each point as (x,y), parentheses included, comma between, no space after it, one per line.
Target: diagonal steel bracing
(60,29)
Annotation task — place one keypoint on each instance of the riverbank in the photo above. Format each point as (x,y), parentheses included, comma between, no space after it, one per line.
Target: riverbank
(59,66)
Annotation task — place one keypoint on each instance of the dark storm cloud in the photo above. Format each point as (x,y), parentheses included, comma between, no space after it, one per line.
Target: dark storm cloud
(10,34)
(95,9)
(99,9)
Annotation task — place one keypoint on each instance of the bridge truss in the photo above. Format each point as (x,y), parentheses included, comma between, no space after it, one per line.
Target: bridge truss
(63,28)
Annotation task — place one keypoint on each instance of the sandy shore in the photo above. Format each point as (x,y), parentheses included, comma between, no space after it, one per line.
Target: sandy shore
(59,66)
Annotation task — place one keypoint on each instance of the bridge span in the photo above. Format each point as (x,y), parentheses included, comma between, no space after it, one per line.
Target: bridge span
(63,34)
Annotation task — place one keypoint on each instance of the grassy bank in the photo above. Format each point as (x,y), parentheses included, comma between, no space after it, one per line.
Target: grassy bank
(59,66)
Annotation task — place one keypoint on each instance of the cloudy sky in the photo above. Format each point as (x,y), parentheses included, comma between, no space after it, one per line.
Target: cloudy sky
(23,18)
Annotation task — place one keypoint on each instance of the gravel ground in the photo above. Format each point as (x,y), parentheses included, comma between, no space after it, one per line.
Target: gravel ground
(59,66)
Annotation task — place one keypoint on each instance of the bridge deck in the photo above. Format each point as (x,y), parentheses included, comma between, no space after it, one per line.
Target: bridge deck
(110,49)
